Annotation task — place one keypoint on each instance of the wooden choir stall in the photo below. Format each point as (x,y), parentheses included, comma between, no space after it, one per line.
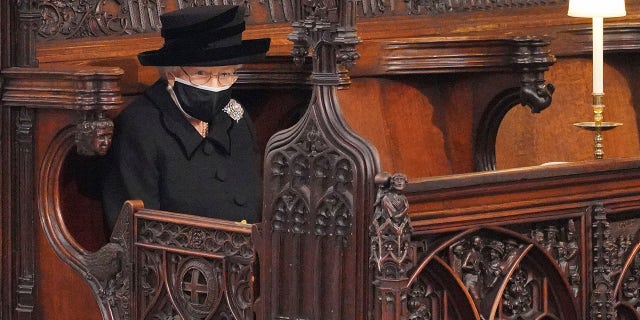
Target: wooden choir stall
(419,162)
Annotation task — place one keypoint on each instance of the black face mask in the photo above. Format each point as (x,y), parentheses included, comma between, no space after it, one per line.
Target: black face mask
(201,104)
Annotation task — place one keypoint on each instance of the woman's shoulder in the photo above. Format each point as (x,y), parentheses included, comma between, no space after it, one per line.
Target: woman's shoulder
(139,117)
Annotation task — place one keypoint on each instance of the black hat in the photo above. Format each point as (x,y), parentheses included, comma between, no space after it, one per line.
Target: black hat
(205,36)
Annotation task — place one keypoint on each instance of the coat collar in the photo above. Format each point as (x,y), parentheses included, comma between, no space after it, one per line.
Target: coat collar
(180,128)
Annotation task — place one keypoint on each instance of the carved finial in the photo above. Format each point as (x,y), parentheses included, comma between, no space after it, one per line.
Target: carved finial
(328,24)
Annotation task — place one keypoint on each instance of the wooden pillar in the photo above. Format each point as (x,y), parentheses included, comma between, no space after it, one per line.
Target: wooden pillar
(319,188)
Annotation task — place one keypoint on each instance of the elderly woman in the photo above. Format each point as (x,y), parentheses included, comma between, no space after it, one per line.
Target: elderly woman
(185,145)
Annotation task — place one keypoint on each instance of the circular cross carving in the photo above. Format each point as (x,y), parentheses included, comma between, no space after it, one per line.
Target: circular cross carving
(198,287)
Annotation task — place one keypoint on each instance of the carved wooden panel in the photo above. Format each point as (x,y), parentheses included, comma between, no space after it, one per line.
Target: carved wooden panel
(71,19)
(568,252)
(503,274)
(192,271)
(435,7)
(615,280)
(318,186)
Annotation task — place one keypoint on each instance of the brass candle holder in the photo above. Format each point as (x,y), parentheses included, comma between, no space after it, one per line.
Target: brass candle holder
(598,125)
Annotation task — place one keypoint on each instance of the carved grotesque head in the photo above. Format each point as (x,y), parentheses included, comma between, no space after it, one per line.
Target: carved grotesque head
(93,137)
(101,138)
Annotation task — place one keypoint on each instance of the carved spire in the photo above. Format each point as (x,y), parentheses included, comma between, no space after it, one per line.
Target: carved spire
(602,305)
(319,188)
(390,229)
(391,251)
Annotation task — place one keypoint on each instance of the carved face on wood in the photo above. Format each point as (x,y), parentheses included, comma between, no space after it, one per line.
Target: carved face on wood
(93,137)
(102,140)
(398,181)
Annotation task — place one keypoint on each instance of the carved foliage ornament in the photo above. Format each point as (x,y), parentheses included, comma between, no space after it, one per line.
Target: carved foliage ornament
(518,298)
(187,237)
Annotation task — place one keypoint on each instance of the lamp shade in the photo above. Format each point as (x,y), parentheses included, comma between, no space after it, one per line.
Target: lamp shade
(596,8)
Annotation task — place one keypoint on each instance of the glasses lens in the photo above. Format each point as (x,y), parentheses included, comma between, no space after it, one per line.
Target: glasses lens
(227,79)
(200,79)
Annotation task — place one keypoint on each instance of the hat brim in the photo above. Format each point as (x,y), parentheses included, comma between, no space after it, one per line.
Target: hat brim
(248,51)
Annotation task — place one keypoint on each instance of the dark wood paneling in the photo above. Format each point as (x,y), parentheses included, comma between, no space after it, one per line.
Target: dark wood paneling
(426,76)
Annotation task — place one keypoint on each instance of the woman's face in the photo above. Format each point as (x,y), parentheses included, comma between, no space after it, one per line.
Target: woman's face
(215,77)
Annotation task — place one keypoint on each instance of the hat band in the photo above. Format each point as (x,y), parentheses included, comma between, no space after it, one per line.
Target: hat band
(181,45)
(213,35)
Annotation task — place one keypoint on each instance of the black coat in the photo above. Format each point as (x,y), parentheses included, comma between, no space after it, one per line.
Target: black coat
(158,157)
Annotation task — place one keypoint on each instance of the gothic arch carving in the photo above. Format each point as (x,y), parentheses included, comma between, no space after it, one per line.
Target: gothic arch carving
(500,272)
(628,287)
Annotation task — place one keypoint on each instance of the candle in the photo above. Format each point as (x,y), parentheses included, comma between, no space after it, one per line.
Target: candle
(597,10)
(598,87)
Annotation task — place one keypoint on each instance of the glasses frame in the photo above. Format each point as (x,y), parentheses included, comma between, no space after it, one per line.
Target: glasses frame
(223,78)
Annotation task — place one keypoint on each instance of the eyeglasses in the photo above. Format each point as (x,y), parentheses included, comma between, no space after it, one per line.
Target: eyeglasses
(202,77)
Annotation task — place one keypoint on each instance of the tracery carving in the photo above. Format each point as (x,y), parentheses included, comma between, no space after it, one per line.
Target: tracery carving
(289,213)
(239,289)
(314,173)
(218,286)
(150,282)
(333,216)
(311,161)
